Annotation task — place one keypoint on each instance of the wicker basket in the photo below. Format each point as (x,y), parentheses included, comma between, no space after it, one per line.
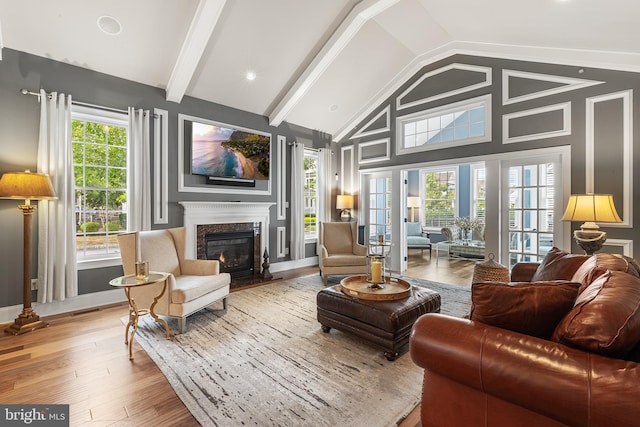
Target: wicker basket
(490,271)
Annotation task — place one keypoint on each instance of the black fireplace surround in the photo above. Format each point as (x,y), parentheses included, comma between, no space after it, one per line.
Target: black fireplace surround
(234,251)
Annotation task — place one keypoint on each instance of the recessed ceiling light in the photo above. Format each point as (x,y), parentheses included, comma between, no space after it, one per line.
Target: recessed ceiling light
(333,108)
(109,25)
(250,75)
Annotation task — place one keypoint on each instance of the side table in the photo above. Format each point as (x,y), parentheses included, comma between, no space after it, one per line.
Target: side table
(128,283)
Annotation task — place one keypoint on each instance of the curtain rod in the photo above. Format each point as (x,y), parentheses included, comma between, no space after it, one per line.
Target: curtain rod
(85,104)
(306,148)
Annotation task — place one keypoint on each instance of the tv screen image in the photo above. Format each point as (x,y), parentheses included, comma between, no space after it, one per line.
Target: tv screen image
(224,152)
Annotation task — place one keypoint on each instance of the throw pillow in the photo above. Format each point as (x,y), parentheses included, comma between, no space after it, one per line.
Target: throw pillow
(599,263)
(558,265)
(605,318)
(531,308)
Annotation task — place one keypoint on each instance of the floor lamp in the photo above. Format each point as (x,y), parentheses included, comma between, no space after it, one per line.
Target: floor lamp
(28,186)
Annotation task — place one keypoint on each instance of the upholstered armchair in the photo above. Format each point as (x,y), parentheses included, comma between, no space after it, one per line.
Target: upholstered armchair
(339,250)
(192,284)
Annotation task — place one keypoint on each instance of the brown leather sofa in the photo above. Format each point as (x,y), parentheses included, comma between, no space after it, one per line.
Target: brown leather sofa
(483,373)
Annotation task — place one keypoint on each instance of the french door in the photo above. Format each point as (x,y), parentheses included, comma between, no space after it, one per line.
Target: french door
(531,208)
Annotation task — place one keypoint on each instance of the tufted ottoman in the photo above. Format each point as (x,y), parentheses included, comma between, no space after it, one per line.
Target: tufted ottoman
(383,323)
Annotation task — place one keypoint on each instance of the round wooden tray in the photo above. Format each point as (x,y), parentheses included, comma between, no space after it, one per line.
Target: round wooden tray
(357,286)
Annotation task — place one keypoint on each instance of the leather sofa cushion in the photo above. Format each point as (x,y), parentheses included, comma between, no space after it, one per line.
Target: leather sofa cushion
(605,318)
(599,263)
(558,265)
(531,308)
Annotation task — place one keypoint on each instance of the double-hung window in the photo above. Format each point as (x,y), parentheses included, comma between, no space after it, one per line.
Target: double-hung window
(99,145)
(310,194)
(440,196)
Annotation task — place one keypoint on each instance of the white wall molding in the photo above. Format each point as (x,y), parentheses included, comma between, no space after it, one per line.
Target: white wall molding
(281,242)
(281,190)
(625,245)
(386,112)
(386,142)
(623,61)
(569,84)
(564,107)
(627,147)
(455,66)
(346,173)
(161,167)
(290,265)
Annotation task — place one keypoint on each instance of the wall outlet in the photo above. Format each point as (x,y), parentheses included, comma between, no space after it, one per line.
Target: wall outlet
(34,284)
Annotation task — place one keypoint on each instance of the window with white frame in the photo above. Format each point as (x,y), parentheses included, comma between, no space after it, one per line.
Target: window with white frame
(478,187)
(310,194)
(465,122)
(99,144)
(380,208)
(440,196)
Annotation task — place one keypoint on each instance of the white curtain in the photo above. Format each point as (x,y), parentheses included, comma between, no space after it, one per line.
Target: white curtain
(57,275)
(139,170)
(297,201)
(324,185)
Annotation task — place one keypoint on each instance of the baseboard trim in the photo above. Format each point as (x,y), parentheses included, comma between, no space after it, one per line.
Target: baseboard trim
(81,302)
(293,264)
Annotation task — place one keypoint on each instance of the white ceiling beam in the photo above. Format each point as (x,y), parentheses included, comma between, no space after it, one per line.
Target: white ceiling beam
(202,25)
(359,15)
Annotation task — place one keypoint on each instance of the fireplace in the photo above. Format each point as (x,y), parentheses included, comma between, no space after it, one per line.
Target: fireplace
(233,250)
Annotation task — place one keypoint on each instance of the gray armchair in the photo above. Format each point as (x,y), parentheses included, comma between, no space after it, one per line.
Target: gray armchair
(416,239)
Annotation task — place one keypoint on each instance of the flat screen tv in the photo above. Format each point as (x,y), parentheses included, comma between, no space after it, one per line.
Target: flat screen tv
(228,153)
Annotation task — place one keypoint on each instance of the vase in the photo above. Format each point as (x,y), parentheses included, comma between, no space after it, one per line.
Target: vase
(466,236)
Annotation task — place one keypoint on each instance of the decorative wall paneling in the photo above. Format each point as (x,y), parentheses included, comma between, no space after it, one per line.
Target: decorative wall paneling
(281,194)
(347,172)
(380,123)
(609,150)
(281,242)
(450,80)
(161,167)
(557,118)
(624,246)
(374,151)
(538,85)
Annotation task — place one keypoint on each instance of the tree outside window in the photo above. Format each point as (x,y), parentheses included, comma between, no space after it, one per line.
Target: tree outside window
(440,198)
(310,194)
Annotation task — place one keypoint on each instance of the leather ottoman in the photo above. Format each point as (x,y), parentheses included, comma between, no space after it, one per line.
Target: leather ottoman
(386,324)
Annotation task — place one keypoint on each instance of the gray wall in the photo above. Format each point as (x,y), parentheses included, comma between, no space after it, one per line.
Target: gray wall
(19,122)
(608,149)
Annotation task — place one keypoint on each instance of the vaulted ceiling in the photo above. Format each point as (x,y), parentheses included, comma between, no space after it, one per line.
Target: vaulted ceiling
(319,64)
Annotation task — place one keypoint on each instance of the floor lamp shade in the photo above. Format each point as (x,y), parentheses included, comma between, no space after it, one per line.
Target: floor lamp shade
(591,208)
(28,186)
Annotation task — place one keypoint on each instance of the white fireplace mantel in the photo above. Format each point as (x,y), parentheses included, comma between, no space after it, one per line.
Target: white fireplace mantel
(203,213)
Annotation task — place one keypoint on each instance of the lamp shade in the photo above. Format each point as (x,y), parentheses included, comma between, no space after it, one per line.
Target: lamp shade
(591,208)
(413,202)
(344,201)
(26,185)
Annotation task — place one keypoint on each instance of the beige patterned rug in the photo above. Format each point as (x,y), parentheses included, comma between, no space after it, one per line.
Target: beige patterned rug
(266,362)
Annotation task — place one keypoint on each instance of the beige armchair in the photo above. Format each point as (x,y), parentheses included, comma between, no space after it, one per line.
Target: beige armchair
(339,251)
(192,284)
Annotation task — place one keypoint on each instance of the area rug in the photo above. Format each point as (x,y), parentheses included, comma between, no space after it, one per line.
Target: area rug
(265,361)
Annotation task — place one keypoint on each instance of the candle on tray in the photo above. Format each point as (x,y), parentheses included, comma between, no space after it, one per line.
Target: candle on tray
(376,271)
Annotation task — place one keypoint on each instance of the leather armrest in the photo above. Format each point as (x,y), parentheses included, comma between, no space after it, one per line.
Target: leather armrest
(523,271)
(200,267)
(562,383)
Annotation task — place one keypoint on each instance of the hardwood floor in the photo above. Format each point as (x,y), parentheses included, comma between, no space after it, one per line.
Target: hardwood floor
(81,360)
